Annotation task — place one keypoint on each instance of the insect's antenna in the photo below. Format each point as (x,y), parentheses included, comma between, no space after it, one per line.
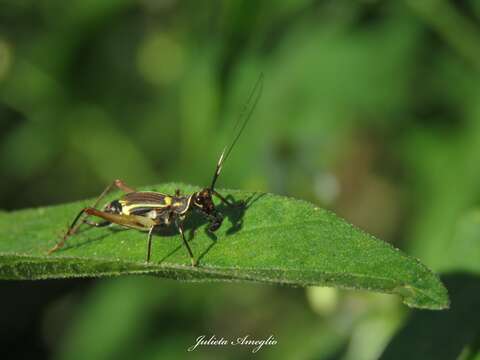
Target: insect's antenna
(242,121)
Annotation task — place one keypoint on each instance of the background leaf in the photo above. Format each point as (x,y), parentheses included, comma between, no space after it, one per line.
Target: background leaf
(420,336)
(274,239)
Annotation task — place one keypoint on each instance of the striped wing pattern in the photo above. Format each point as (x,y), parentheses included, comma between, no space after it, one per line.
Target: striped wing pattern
(147,197)
(139,203)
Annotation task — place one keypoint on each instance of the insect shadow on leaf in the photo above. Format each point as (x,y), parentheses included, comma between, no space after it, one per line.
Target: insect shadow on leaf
(234,214)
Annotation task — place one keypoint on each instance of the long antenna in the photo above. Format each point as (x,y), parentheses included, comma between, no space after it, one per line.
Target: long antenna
(242,121)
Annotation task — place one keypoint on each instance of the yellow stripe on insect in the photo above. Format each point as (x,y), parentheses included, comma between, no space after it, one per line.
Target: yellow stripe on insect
(127,209)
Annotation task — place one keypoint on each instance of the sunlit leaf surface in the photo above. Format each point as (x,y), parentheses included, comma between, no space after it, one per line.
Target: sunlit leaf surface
(271,239)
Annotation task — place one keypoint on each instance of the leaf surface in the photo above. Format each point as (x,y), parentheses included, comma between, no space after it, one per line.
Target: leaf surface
(271,239)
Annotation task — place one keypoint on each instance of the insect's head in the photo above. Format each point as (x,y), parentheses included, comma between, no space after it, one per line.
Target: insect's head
(202,200)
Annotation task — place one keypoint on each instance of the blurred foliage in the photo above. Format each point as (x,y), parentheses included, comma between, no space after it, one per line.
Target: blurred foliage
(370,108)
(424,332)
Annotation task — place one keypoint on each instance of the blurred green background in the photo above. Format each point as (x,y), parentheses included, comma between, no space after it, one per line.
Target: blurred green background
(370,108)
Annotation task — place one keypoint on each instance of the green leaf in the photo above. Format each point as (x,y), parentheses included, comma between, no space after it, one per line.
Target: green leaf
(273,239)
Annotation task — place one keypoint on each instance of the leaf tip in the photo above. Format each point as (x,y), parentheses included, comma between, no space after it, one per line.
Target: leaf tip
(435,298)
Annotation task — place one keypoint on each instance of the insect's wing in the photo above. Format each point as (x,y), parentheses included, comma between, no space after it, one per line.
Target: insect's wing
(141,202)
(146,197)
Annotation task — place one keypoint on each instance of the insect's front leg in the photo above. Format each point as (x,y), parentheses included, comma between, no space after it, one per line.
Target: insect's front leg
(214,218)
(215,222)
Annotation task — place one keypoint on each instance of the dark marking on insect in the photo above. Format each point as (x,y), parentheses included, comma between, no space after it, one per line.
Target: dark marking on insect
(150,210)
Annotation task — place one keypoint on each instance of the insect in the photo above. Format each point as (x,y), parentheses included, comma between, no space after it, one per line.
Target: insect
(149,211)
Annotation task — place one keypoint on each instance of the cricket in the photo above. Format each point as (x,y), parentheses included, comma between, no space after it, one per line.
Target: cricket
(150,211)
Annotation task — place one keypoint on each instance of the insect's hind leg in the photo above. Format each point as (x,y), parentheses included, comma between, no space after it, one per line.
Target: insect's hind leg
(119,184)
(96,224)
(129,221)
(70,231)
